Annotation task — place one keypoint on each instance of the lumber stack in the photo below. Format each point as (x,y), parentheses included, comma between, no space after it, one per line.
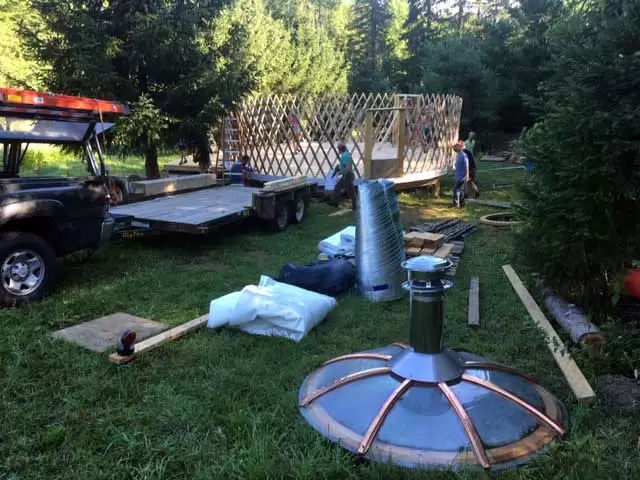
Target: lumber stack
(148,188)
(284,183)
(425,243)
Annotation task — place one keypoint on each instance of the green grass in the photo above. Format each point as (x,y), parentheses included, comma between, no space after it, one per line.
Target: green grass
(50,161)
(222,404)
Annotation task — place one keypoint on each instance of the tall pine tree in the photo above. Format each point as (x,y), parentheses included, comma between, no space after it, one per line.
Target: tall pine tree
(368,49)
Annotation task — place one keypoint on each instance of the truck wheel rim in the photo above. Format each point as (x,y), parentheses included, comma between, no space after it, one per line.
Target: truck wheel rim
(22,272)
(299,209)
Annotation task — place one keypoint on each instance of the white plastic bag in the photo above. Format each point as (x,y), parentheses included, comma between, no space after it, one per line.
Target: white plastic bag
(271,308)
(341,243)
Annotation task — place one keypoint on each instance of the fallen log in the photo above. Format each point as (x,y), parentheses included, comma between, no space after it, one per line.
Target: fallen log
(574,321)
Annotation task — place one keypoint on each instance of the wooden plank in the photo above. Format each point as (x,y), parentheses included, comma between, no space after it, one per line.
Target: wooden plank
(412,240)
(284,183)
(493,158)
(342,211)
(574,376)
(474,302)
(458,247)
(444,251)
(451,272)
(407,238)
(413,251)
(430,240)
(399,118)
(158,340)
(489,203)
(368,143)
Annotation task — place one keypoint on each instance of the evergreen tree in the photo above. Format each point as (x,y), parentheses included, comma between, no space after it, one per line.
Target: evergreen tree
(17,69)
(368,49)
(122,49)
(581,209)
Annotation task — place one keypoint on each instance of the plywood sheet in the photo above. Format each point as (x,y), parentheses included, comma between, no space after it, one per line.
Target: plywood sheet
(104,333)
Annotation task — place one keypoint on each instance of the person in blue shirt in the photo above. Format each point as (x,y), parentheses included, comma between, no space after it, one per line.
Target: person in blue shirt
(462,174)
(347,170)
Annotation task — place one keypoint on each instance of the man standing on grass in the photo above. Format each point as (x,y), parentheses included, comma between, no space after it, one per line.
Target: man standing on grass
(462,174)
(469,150)
(348,177)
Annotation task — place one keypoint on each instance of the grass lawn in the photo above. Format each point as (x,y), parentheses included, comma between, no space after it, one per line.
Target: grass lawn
(223,404)
(48,160)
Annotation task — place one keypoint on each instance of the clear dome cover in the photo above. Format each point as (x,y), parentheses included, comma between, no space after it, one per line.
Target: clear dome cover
(490,416)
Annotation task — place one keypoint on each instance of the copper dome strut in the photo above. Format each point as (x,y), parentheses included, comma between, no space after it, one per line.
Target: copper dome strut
(469,428)
(344,381)
(374,427)
(514,398)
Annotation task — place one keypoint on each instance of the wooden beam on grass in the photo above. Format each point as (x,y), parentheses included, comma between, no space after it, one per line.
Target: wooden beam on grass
(160,339)
(340,212)
(368,144)
(474,302)
(572,373)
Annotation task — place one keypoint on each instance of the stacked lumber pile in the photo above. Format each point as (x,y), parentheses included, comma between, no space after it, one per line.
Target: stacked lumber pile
(424,243)
(284,183)
(148,188)
(453,232)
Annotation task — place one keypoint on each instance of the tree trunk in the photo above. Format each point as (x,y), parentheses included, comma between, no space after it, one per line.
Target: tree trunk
(203,155)
(151,167)
(460,16)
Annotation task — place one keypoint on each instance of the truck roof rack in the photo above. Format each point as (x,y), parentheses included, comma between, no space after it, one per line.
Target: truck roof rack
(35,117)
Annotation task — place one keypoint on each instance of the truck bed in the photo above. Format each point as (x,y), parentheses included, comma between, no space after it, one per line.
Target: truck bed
(193,212)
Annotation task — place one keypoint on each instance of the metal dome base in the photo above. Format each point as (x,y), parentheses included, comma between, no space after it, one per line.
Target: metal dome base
(449,410)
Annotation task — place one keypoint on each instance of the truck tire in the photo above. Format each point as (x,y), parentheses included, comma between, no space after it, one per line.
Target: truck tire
(298,209)
(28,268)
(281,218)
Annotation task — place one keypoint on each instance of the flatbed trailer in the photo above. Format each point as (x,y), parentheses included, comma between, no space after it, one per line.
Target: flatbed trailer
(205,210)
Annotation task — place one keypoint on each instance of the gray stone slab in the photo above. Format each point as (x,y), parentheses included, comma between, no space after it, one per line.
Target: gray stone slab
(104,333)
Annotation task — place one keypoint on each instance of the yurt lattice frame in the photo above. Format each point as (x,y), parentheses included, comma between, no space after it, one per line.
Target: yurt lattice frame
(382,145)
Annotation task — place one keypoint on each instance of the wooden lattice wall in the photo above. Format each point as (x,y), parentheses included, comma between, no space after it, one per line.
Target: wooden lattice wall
(267,123)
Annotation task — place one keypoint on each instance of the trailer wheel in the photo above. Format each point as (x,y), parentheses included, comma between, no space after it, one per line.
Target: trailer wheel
(28,268)
(281,218)
(298,209)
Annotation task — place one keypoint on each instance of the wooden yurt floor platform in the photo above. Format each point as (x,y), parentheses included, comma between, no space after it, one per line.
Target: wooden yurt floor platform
(316,161)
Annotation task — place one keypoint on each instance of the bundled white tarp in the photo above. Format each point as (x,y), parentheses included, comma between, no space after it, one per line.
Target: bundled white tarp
(271,308)
(341,243)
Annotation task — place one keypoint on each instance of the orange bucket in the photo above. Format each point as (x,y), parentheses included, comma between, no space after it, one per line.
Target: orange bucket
(632,283)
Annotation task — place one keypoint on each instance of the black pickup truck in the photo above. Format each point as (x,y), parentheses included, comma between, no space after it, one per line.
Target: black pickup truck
(42,218)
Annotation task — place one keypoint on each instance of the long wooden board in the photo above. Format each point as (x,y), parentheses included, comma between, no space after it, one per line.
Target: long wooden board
(284,183)
(474,302)
(158,340)
(575,378)
(444,251)
(489,203)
